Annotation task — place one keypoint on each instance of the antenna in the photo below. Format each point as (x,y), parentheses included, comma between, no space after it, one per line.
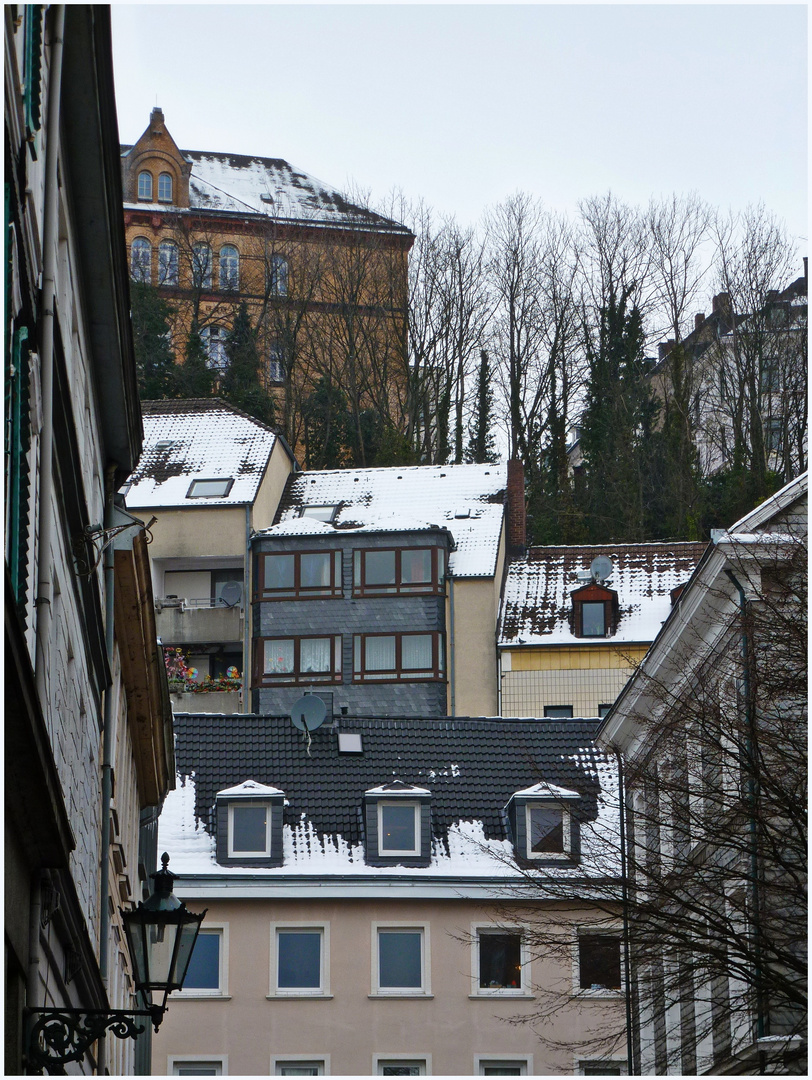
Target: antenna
(231,593)
(308,713)
(601,568)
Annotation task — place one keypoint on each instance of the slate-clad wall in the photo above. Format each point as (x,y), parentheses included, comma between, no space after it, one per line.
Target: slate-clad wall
(350,616)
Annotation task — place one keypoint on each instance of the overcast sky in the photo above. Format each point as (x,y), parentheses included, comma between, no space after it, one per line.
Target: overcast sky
(464,104)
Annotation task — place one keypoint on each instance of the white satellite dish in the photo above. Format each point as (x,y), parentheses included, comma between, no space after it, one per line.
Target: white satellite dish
(601,568)
(308,713)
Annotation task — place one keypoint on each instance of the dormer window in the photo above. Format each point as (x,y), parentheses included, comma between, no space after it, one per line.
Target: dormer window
(594,611)
(249,825)
(544,829)
(397,825)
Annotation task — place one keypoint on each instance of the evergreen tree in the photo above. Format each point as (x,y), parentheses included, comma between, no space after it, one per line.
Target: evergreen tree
(241,384)
(328,425)
(154,359)
(481,443)
(195,378)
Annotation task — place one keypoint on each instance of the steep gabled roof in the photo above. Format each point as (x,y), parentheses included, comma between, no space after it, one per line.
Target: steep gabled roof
(536,603)
(195,439)
(468,500)
(471,767)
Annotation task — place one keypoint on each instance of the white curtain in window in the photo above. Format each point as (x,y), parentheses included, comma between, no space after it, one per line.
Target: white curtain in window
(314,654)
(278,657)
(380,654)
(315,570)
(416,652)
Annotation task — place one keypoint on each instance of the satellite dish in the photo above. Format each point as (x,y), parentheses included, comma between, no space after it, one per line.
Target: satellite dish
(601,568)
(231,593)
(308,713)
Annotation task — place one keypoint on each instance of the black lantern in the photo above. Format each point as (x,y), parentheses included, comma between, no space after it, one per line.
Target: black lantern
(161,935)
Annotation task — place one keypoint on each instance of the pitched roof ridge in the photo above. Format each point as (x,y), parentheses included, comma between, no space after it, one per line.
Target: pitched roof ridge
(206,404)
(542,550)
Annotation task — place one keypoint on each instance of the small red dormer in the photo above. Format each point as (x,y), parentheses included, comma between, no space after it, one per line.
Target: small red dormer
(594,611)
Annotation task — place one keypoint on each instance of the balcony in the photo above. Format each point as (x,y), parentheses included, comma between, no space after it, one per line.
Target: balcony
(181,621)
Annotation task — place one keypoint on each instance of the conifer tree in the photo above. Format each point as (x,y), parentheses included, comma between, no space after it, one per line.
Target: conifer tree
(154,359)
(482,445)
(195,378)
(241,383)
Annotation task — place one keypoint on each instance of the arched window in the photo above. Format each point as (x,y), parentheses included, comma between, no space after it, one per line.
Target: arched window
(164,187)
(278,276)
(229,268)
(214,342)
(145,185)
(276,363)
(141,260)
(201,265)
(167,263)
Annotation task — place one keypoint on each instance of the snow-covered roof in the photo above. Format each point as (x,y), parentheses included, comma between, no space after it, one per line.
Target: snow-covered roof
(547,790)
(467,500)
(453,760)
(198,439)
(272,187)
(537,606)
(248,789)
(397,787)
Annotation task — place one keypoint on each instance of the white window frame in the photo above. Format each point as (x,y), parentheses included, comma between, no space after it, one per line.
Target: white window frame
(566,820)
(386,853)
(613,930)
(481,1060)
(379,1060)
(221,991)
(524,990)
(239,854)
(196,1059)
(168,176)
(425,964)
(141,260)
(145,198)
(613,1061)
(323,990)
(277,1060)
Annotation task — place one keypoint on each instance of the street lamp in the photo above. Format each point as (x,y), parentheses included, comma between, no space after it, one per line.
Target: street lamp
(161,935)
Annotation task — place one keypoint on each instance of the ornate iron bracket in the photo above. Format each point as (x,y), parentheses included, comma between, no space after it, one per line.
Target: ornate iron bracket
(60,1036)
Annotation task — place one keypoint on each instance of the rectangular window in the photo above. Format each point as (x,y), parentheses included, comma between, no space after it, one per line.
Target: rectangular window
(603,710)
(558,712)
(400,1066)
(500,962)
(249,830)
(511,1065)
(593,618)
(400,960)
(599,962)
(392,657)
(548,831)
(398,828)
(323,512)
(196,1067)
(398,570)
(300,575)
(298,660)
(294,1067)
(299,960)
(210,489)
(206,975)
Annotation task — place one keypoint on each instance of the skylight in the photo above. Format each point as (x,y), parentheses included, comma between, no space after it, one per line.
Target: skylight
(319,513)
(208,489)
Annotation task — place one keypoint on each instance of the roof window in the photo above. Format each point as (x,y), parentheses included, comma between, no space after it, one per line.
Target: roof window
(321,512)
(210,489)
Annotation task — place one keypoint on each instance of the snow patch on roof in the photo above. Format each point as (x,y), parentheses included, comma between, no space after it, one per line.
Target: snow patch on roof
(397,788)
(249,788)
(545,790)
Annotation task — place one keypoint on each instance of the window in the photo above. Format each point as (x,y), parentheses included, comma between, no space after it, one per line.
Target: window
(141,260)
(299,660)
(603,710)
(398,828)
(506,1065)
(500,962)
(296,1066)
(206,975)
(323,512)
(593,616)
(400,1066)
(278,276)
(145,186)
(613,1067)
(229,268)
(400,960)
(548,831)
(772,435)
(165,187)
(249,830)
(210,489)
(201,266)
(558,712)
(196,1067)
(248,825)
(276,364)
(299,960)
(400,570)
(214,344)
(770,375)
(167,263)
(395,657)
(599,962)
(302,574)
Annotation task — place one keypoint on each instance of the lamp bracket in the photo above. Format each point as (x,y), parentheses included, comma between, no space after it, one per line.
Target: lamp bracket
(60,1036)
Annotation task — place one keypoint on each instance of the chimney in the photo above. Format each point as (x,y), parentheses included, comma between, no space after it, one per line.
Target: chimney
(806,268)
(721,307)
(516,510)
(698,320)
(664,348)
(156,119)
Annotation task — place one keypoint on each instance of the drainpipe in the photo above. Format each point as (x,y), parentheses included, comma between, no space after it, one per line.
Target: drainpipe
(498,681)
(451,648)
(621,794)
(752,798)
(48,304)
(108,748)
(246,600)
